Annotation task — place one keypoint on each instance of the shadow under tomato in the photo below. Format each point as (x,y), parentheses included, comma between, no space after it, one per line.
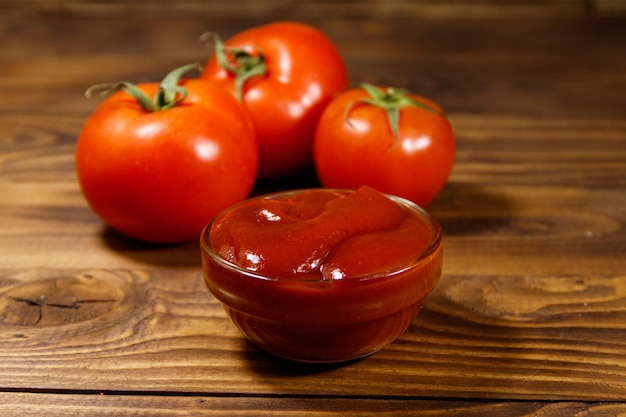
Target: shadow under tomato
(161,255)
(305,178)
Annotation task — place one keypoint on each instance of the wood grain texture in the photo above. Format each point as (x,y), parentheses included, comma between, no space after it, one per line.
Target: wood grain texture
(542,70)
(321,8)
(32,405)
(162,331)
(529,317)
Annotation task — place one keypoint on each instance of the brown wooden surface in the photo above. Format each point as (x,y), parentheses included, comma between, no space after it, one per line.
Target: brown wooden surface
(529,318)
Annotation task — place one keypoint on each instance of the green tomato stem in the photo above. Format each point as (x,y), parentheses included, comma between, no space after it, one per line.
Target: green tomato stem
(168,95)
(391,100)
(238,61)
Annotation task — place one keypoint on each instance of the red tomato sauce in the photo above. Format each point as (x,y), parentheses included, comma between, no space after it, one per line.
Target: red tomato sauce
(322,275)
(321,235)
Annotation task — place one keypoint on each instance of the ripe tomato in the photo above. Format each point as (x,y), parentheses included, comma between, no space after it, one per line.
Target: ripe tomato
(393,141)
(161,175)
(284,73)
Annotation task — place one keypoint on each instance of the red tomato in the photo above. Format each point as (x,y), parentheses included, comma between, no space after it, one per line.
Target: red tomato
(288,72)
(390,140)
(160,176)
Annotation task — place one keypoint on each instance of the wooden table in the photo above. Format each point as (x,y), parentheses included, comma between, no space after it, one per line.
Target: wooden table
(530,315)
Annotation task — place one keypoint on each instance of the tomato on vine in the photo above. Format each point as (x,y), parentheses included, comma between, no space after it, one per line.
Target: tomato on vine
(396,142)
(157,161)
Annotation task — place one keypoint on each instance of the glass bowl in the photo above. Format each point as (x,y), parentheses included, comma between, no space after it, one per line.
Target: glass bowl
(324,320)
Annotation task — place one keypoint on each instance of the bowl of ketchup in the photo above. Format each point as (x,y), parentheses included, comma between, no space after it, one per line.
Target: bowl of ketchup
(322,275)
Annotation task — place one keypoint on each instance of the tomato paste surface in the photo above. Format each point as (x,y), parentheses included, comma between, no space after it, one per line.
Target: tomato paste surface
(321,234)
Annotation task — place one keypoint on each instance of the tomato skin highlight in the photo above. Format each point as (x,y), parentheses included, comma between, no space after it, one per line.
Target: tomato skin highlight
(357,147)
(304,71)
(161,176)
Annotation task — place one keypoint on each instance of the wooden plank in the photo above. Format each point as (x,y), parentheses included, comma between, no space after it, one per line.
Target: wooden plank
(318,8)
(62,405)
(528,150)
(493,230)
(495,208)
(495,149)
(537,68)
(490,337)
(609,7)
